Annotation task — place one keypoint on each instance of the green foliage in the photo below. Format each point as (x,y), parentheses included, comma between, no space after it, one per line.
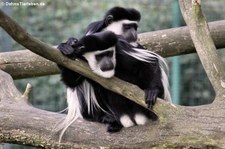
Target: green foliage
(197,89)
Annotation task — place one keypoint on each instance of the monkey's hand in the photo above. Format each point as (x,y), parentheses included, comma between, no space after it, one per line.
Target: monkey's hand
(150,97)
(66,48)
(79,48)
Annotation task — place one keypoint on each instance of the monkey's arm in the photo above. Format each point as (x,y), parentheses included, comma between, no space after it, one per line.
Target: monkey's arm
(148,76)
(152,85)
(69,77)
(66,47)
(136,68)
(155,87)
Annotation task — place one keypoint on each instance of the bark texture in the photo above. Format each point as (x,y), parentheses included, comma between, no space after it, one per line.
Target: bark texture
(26,64)
(177,41)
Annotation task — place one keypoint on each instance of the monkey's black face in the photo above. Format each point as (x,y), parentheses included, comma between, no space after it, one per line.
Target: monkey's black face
(103,62)
(125,28)
(130,32)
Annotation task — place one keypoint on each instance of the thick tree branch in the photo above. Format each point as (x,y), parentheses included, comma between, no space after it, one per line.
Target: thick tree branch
(26,64)
(177,41)
(170,42)
(212,63)
(179,127)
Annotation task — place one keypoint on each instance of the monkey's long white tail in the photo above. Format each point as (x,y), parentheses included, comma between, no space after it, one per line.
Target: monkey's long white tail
(73,111)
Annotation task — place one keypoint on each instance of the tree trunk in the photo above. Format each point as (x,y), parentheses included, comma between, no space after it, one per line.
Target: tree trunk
(212,63)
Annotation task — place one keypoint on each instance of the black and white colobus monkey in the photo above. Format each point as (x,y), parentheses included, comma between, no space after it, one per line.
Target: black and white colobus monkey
(88,99)
(136,65)
(148,71)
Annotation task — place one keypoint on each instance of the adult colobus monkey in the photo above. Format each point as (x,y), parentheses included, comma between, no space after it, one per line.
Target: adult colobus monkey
(90,100)
(148,72)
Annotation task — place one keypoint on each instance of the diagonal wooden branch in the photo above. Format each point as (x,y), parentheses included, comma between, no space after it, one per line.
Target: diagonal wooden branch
(21,36)
(212,63)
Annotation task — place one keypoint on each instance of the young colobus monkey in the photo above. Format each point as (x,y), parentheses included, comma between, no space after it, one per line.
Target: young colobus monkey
(88,99)
(148,71)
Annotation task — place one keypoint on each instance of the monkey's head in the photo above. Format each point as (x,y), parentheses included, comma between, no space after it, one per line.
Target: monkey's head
(123,21)
(99,51)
